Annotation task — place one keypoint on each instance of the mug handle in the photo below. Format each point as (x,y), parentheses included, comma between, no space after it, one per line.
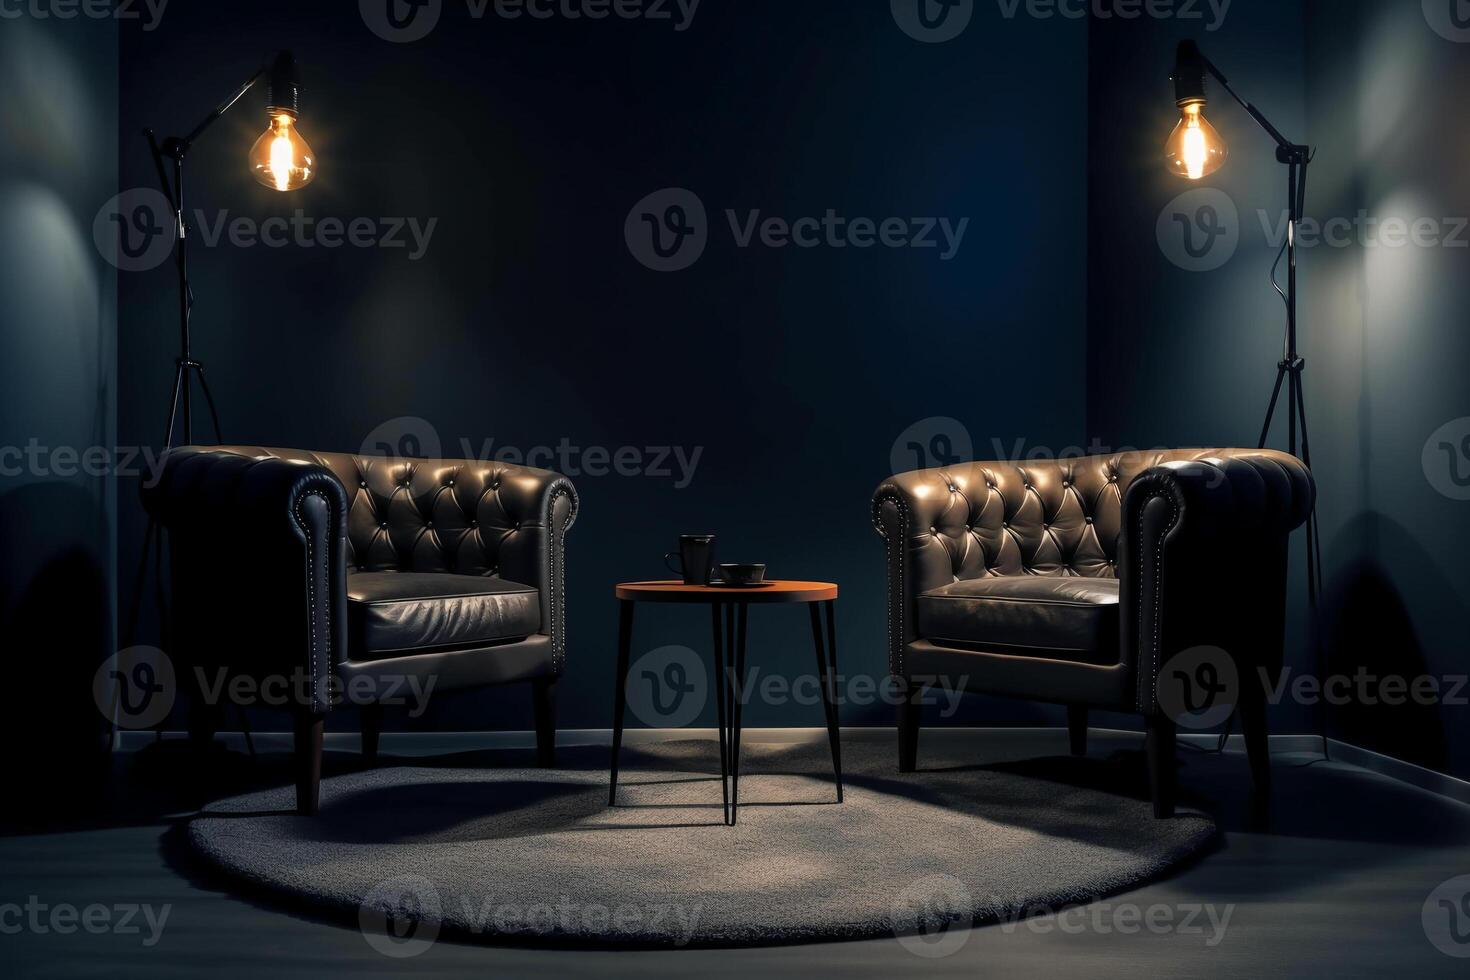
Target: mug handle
(675,556)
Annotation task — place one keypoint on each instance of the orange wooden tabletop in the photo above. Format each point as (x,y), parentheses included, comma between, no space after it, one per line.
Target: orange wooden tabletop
(775,590)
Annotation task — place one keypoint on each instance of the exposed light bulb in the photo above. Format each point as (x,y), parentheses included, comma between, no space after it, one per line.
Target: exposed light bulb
(1194,149)
(281,158)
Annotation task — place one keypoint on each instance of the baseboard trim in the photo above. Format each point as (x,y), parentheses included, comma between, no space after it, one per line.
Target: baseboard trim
(427,742)
(435,743)
(1438,783)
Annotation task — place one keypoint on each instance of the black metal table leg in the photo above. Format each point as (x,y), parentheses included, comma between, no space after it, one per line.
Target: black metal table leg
(826,668)
(620,694)
(738,682)
(720,706)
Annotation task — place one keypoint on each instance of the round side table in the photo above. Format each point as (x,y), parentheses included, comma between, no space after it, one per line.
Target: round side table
(728,609)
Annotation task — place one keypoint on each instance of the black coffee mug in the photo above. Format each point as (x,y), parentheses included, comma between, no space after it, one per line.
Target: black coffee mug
(696,555)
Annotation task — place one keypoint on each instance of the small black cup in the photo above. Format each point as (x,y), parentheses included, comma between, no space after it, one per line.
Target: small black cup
(695,556)
(743,573)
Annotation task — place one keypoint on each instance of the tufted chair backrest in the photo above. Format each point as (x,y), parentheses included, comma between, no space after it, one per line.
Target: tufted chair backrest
(1035,517)
(435,515)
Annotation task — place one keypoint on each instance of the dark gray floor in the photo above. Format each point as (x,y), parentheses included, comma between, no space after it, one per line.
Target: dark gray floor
(1330,881)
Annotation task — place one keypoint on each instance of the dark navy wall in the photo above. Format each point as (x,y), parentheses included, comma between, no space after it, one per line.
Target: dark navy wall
(58,152)
(527,321)
(1389,347)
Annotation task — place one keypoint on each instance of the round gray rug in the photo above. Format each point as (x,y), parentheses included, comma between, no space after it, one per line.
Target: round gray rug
(532,855)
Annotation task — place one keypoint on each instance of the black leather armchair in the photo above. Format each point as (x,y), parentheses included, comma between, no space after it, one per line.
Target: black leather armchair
(358,574)
(1073,581)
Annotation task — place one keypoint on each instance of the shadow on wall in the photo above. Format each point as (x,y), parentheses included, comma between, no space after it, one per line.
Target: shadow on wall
(55,618)
(1370,635)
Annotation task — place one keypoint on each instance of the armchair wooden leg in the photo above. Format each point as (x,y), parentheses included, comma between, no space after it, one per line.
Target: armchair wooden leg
(543,700)
(372,729)
(908,726)
(1252,709)
(1162,776)
(309,729)
(1077,728)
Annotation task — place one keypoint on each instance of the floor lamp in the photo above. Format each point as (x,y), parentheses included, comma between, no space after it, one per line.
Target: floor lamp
(1195,150)
(281,160)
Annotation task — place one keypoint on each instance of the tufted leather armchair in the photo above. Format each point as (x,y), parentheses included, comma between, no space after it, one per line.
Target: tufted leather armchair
(1073,581)
(356,577)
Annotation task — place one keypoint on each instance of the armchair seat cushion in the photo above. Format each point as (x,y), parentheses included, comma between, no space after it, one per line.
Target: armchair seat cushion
(1048,616)
(396,613)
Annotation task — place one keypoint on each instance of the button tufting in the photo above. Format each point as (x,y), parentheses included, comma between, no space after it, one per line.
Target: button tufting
(1087,519)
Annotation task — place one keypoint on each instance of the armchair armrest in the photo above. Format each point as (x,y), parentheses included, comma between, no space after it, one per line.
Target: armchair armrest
(258,565)
(1202,560)
(905,509)
(544,506)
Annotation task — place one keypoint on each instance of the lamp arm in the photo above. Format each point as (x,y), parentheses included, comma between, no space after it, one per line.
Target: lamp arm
(223,107)
(1254,113)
